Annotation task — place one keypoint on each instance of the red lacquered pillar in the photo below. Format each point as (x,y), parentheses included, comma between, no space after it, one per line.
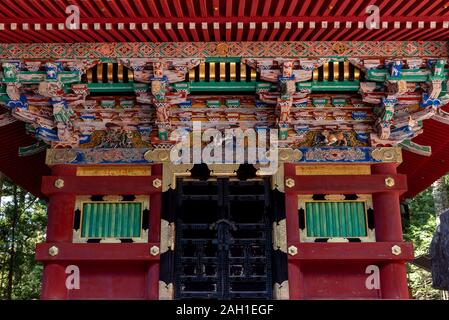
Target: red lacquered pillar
(387,219)
(154,236)
(61,208)
(292,222)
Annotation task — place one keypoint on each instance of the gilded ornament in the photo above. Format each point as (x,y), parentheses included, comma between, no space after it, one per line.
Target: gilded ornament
(157,183)
(334,197)
(396,250)
(340,47)
(281,291)
(112,198)
(290,183)
(56,156)
(222,49)
(167,236)
(166,291)
(59,183)
(53,251)
(387,154)
(389,182)
(289,155)
(280,235)
(223,170)
(157,155)
(154,250)
(292,250)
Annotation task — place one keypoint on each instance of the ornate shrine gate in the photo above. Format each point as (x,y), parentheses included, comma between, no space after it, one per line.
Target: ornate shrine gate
(333,210)
(223,240)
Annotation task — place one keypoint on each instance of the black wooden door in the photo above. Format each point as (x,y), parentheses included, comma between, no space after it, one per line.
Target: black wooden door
(223,240)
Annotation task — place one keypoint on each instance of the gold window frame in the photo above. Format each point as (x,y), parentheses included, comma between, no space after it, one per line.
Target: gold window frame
(364,198)
(82,200)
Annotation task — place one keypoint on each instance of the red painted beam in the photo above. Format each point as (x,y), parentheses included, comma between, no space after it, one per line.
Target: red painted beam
(154,11)
(307,33)
(251,32)
(396,34)
(316,8)
(241,8)
(296,33)
(153,35)
(116,9)
(228,9)
(234,19)
(433,8)
(317,35)
(90,10)
(101,34)
(140,35)
(172,34)
(266,8)
(22,4)
(203,8)
(191,8)
(305,6)
(217,34)
(354,31)
(408,34)
(330,8)
(239,34)
(329,34)
(394,5)
(342,184)
(419,6)
(205,32)
(178,8)
(104,185)
(166,8)
(184,35)
(160,32)
(351,251)
(417,34)
(436,33)
(273,35)
(43,11)
(97,252)
(342,7)
(254,6)
(279,7)
(194,34)
(283,35)
(8,38)
(104,8)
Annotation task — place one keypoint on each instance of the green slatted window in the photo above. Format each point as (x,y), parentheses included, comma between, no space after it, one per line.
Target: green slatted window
(111,220)
(336,219)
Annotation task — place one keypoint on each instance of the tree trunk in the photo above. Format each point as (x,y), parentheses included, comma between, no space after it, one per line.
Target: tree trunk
(441,201)
(440,196)
(14,218)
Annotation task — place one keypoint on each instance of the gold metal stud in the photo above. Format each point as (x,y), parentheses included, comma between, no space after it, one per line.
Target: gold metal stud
(389,182)
(396,250)
(154,250)
(59,183)
(290,183)
(53,251)
(292,250)
(157,183)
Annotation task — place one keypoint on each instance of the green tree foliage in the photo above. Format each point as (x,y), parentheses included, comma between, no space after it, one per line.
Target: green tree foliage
(22,225)
(419,229)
